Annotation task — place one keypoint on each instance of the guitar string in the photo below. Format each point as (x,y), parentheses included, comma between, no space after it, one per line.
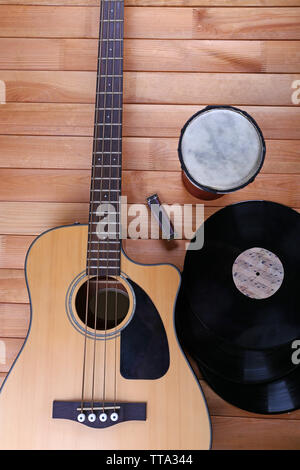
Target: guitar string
(113,50)
(90,225)
(114,10)
(120,90)
(106,9)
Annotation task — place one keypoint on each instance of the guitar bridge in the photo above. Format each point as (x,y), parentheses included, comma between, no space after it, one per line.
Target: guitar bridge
(99,415)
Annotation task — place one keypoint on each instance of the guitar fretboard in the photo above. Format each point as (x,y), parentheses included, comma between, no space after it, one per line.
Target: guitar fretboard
(104,248)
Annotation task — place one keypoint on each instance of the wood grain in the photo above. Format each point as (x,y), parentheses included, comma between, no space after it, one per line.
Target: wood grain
(152,22)
(140,120)
(154,55)
(13,250)
(36,217)
(12,347)
(186,3)
(283,156)
(12,286)
(153,88)
(59,186)
(14,321)
(255,434)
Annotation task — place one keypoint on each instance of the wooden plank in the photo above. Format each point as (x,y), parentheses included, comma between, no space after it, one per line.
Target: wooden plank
(35,218)
(48,54)
(46,119)
(9,348)
(14,320)
(45,87)
(167,121)
(45,152)
(153,88)
(139,120)
(255,434)
(59,186)
(152,22)
(283,156)
(142,251)
(185,3)
(154,55)
(12,286)
(214,89)
(13,250)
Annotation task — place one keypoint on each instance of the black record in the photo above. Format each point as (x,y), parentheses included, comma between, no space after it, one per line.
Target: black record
(227,360)
(278,396)
(244,339)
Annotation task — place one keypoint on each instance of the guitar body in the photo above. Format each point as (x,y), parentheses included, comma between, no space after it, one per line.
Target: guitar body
(49,366)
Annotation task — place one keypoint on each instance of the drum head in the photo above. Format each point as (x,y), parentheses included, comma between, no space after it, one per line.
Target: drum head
(221,149)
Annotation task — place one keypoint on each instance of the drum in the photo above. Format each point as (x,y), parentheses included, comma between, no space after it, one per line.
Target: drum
(221,149)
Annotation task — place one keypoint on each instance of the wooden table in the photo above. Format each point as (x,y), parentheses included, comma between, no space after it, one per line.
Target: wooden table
(179,56)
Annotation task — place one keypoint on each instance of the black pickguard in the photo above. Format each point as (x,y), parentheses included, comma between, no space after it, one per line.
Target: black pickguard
(144,344)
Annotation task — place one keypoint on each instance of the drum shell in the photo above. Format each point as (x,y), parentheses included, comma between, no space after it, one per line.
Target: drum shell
(204,192)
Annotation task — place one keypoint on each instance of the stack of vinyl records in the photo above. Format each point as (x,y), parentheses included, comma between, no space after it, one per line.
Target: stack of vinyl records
(238,309)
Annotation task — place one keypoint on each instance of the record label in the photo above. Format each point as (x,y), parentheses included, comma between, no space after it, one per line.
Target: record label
(257,273)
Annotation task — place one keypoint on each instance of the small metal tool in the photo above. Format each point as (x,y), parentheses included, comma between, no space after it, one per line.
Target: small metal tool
(161,216)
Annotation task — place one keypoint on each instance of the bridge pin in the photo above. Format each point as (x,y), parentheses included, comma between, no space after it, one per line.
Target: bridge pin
(81,417)
(92,417)
(114,416)
(103,417)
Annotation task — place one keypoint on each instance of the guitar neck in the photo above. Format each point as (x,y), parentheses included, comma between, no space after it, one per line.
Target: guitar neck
(104,251)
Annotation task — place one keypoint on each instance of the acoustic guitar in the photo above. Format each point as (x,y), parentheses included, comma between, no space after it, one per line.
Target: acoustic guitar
(101,367)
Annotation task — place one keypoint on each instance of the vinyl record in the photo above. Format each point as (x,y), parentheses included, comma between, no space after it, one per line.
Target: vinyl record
(278,396)
(228,360)
(238,309)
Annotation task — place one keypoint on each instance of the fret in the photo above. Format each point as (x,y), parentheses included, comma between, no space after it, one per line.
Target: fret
(104,233)
(109,100)
(105,179)
(109,93)
(109,115)
(104,259)
(107,241)
(110,58)
(107,154)
(112,21)
(108,138)
(99,251)
(107,146)
(107,166)
(105,199)
(105,190)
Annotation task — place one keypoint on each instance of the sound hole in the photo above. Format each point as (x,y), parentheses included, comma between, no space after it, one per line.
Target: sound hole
(108,300)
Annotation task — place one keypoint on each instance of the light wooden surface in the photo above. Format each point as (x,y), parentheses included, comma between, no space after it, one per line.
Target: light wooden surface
(179,56)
